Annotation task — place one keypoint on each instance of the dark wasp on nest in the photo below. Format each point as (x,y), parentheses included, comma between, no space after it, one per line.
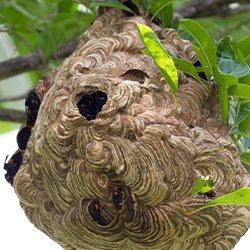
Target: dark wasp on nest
(12,166)
(95,212)
(32,105)
(118,198)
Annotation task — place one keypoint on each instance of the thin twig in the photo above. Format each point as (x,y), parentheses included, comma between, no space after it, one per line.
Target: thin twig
(197,8)
(13,98)
(3,30)
(12,115)
(34,60)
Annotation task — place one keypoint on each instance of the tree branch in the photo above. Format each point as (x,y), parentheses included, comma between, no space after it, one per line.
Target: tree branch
(20,64)
(3,30)
(34,60)
(205,8)
(12,115)
(13,98)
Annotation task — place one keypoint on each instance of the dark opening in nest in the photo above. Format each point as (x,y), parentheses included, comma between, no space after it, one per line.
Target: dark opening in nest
(91,104)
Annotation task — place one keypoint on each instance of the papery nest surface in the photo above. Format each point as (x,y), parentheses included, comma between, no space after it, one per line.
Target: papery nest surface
(112,154)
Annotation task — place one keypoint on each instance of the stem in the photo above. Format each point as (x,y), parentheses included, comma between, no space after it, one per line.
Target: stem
(12,115)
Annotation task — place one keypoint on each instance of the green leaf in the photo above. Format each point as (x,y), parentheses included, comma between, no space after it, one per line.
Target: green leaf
(186,67)
(245,158)
(110,3)
(245,80)
(161,58)
(239,116)
(138,4)
(243,143)
(247,140)
(243,46)
(23,11)
(223,80)
(66,6)
(229,61)
(237,25)
(202,185)
(162,9)
(245,124)
(240,90)
(240,197)
(206,45)
(42,24)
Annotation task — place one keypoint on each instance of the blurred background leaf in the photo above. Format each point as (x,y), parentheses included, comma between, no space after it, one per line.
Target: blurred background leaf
(43,24)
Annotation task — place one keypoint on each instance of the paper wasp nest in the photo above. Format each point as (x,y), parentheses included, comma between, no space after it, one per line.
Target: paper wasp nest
(113,154)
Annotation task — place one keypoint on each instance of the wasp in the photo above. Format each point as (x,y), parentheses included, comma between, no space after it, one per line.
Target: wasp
(118,197)
(210,194)
(12,166)
(95,212)
(23,137)
(32,105)
(191,126)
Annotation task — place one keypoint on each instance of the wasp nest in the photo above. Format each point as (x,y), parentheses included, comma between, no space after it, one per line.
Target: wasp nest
(112,157)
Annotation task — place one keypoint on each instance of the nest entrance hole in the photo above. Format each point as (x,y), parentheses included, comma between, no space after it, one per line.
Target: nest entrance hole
(91,104)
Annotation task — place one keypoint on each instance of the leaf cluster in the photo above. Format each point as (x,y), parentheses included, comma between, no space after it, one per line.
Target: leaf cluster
(202,185)
(226,63)
(43,24)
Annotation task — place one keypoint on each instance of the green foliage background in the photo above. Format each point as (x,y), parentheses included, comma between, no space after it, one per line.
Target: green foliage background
(48,24)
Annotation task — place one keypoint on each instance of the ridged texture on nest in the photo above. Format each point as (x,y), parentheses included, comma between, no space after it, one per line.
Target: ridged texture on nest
(123,179)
